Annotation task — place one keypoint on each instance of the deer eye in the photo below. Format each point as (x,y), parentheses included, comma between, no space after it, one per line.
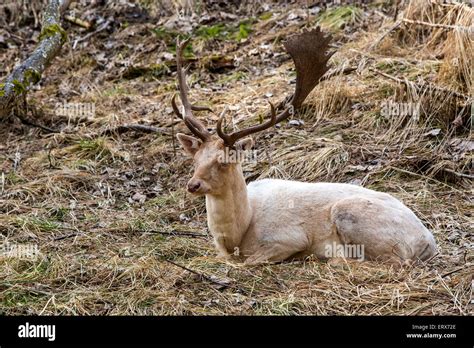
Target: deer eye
(224,165)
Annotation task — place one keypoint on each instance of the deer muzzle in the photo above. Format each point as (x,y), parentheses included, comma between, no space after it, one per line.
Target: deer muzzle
(194,185)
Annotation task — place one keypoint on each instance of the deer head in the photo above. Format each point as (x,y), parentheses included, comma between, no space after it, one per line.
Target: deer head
(212,171)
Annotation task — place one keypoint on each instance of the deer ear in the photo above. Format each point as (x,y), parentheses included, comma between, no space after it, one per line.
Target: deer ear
(244,144)
(189,144)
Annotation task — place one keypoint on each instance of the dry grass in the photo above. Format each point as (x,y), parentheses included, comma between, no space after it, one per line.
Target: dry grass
(105,251)
(449,38)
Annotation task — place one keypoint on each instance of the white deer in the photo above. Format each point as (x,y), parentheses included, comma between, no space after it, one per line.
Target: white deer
(274,220)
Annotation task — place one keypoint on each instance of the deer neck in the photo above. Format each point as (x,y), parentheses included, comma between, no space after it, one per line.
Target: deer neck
(229,213)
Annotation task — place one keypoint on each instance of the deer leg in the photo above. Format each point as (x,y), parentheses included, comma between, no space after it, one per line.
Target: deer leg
(222,252)
(388,234)
(272,253)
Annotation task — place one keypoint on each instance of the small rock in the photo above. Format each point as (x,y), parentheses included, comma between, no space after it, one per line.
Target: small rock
(297,14)
(157,188)
(292,16)
(358,168)
(357,182)
(433,132)
(205,19)
(138,197)
(251,302)
(253,52)
(296,123)
(167,56)
(184,218)
(226,15)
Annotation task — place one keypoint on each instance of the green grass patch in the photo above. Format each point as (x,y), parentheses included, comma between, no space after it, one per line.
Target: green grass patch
(154,70)
(59,213)
(225,32)
(244,30)
(115,91)
(37,224)
(265,16)
(98,149)
(336,18)
(15,299)
(236,76)
(217,31)
(12,178)
(163,201)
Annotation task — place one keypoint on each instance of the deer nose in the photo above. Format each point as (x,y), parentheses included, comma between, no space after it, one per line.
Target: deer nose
(193,186)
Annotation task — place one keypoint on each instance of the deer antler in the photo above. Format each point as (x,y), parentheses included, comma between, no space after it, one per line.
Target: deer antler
(230,139)
(191,122)
(308,51)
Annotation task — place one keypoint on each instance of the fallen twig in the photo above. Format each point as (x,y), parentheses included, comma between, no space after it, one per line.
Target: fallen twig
(421,176)
(453,271)
(28,122)
(423,85)
(66,236)
(330,74)
(211,279)
(437,25)
(462,175)
(78,21)
(179,233)
(85,37)
(392,28)
(136,128)
(29,289)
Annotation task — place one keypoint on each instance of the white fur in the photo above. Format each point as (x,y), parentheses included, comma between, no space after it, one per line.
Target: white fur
(303,218)
(273,220)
